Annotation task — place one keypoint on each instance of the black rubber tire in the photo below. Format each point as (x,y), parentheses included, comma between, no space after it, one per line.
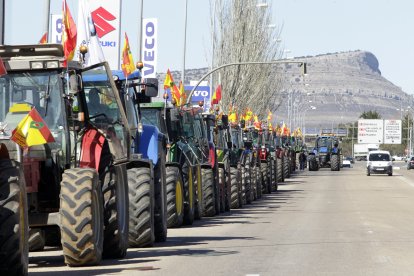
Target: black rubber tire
(81,212)
(116,214)
(189,193)
(198,188)
(248,177)
(286,165)
(175,197)
(160,203)
(37,239)
(243,181)
(217,193)
(259,183)
(141,211)
(335,166)
(254,182)
(222,185)
(234,188)
(279,170)
(209,208)
(227,189)
(14,229)
(368,172)
(275,181)
(266,187)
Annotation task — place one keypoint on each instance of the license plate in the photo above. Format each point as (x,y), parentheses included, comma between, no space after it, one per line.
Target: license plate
(380,169)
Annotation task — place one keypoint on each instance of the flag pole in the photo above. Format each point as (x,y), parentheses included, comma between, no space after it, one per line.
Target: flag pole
(47,17)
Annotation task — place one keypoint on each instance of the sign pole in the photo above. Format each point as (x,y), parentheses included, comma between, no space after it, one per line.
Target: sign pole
(2,19)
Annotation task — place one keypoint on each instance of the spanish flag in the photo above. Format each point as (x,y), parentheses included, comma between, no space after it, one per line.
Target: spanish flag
(217,95)
(43,40)
(248,115)
(128,66)
(183,96)
(269,116)
(32,131)
(69,33)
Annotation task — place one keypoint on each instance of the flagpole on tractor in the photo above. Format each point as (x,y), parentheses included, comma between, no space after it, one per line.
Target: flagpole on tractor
(185,36)
(141,10)
(47,17)
(3,15)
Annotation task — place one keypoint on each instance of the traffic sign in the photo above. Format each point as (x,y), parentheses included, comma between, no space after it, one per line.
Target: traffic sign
(370,131)
(392,131)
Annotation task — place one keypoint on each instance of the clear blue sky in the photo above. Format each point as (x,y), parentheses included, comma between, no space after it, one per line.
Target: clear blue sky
(383,27)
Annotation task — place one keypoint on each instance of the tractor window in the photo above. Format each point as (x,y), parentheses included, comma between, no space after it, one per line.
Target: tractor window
(198,128)
(151,117)
(22,92)
(104,110)
(188,125)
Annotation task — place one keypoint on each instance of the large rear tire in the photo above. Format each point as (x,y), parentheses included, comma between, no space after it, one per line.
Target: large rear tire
(198,203)
(248,177)
(141,211)
(227,189)
(335,166)
(189,205)
(279,170)
(209,208)
(175,197)
(267,178)
(243,185)
(81,211)
(14,230)
(222,186)
(160,200)
(234,188)
(259,181)
(116,215)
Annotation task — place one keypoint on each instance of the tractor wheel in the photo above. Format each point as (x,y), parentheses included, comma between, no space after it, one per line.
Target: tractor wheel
(275,185)
(198,194)
(260,183)
(279,170)
(189,194)
(334,162)
(116,215)
(227,190)
(141,212)
(243,185)
(248,177)
(81,212)
(234,188)
(266,178)
(175,197)
(36,239)
(217,195)
(222,183)
(286,171)
(14,230)
(160,203)
(209,208)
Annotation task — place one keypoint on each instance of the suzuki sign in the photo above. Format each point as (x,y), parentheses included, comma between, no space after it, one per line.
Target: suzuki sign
(106,16)
(149,47)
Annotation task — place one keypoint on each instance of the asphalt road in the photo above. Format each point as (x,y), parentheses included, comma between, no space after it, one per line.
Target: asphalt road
(319,223)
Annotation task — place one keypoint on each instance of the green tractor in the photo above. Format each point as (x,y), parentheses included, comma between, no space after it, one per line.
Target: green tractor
(184,190)
(269,160)
(326,154)
(63,160)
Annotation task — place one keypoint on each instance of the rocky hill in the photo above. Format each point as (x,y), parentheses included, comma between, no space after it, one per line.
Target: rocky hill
(340,85)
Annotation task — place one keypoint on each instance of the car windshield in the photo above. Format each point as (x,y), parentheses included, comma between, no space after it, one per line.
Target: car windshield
(21,92)
(379,157)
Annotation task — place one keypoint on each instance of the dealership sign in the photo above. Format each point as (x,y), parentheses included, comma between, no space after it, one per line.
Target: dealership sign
(149,47)
(201,94)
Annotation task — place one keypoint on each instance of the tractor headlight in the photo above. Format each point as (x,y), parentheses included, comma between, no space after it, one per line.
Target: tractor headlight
(36,65)
(52,64)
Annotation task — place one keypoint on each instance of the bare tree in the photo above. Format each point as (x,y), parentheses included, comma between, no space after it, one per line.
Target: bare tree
(241,33)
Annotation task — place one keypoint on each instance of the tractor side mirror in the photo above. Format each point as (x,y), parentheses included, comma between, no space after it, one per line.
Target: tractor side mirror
(242,123)
(73,84)
(225,120)
(151,87)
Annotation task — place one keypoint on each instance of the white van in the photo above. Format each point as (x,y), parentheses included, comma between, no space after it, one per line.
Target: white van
(379,161)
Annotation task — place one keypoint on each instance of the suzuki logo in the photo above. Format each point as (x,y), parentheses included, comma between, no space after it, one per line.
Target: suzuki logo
(100,17)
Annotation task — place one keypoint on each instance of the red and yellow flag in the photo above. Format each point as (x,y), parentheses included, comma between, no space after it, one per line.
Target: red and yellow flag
(233,115)
(269,116)
(183,96)
(168,82)
(32,131)
(128,66)
(43,40)
(69,33)
(217,95)
(3,70)
(248,115)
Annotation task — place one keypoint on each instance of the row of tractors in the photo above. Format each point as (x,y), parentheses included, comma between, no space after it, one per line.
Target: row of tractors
(120,169)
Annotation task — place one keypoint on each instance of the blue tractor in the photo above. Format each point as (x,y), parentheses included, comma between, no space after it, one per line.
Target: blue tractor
(326,154)
(146,166)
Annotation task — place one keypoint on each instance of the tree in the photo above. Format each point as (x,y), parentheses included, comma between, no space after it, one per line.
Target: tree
(241,33)
(372,114)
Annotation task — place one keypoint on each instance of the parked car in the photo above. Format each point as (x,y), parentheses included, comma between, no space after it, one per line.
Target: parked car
(410,163)
(380,162)
(350,159)
(346,163)
(397,158)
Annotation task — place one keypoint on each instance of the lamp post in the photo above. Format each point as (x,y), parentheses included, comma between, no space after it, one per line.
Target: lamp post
(141,10)
(185,37)
(2,19)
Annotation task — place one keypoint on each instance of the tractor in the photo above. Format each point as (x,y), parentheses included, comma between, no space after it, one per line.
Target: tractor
(146,168)
(63,160)
(269,160)
(326,154)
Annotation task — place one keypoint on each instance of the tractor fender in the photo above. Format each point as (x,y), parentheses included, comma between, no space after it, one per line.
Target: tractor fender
(91,149)
(148,143)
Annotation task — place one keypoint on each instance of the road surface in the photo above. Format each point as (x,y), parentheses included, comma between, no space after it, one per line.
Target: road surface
(319,223)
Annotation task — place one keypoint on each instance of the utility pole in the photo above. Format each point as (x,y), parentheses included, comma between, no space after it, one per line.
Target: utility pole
(141,11)
(185,37)
(2,19)
(47,17)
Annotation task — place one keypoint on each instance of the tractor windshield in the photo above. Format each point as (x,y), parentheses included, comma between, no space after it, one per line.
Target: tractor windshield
(151,116)
(21,92)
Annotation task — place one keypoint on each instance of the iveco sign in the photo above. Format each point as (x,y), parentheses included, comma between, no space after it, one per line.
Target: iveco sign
(149,47)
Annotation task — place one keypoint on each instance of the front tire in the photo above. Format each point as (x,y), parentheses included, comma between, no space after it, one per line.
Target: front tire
(141,194)
(335,162)
(81,211)
(189,206)
(116,215)
(14,230)
(175,197)
(160,201)
(234,188)
(209,208)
